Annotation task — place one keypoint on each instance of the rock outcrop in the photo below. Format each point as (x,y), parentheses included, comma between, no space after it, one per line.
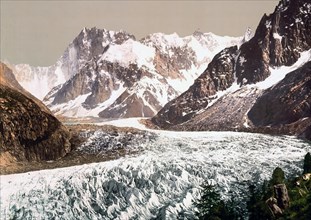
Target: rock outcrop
(279,202)
(281,195)
(28,132)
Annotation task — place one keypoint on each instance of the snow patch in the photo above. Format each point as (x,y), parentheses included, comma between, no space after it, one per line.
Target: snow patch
(126,122)
(279,73)
(234,87)
(130,52)
(242,60)
(268,24)
(73,108)
(277,36)
(187,78)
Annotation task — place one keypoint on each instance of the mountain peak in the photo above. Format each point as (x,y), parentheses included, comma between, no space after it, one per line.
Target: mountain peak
(111,74)
(248,34)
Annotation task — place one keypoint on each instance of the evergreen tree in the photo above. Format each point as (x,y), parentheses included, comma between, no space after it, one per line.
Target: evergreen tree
(209,201)
(307,164)
(278,176)
(211,207)
(256,205)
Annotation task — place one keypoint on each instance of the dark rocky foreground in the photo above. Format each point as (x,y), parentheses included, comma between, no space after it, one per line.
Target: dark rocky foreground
(28,131)
(112,143)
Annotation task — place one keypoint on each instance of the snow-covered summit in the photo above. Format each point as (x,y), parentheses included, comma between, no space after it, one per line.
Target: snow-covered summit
(111,74)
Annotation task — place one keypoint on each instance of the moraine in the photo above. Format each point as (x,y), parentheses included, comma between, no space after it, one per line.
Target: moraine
(160,181)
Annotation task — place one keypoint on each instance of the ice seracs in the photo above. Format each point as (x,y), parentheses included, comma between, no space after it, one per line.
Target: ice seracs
(168,169)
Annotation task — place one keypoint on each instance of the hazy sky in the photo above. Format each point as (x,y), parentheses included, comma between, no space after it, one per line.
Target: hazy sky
(38,32)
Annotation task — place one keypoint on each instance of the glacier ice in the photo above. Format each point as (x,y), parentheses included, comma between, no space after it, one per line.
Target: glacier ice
(160,181)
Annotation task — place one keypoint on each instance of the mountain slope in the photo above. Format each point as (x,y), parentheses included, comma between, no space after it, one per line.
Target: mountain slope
(287,103)
(279,39)
(112,75)
(27,130)
(219,75)
(220,100)
(89,44)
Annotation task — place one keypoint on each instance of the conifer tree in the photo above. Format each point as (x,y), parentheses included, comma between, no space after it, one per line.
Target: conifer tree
(307,164)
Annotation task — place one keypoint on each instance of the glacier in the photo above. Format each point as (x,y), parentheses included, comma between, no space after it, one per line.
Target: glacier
(159,181)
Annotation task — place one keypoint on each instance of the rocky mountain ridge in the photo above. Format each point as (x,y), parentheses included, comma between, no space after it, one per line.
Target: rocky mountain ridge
(238,90)
(113,75)
(28,131)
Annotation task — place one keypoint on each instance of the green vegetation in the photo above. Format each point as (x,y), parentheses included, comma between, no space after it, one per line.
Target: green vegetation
(278,176)
(210,206)
(257,209)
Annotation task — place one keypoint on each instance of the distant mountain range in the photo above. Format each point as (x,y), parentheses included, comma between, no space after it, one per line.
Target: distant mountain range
(112,75)
(257,83)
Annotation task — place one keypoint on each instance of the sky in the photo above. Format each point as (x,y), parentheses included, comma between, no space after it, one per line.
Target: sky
(38,32)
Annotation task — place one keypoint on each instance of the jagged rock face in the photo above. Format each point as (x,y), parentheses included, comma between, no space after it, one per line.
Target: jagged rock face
(287,102)
(116,76)
(91,43)
(169,66)
(278,40)
(217,77)
(222,68)
(99,79)
(87,46)
(171,55)
(28,132)
(121,107)
(72,88)
(281,195)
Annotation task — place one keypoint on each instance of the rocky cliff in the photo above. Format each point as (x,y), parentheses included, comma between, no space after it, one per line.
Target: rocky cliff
(28,131)
(287,103)
(251,79)
(278,40)
(219,75)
